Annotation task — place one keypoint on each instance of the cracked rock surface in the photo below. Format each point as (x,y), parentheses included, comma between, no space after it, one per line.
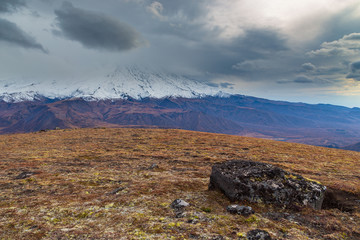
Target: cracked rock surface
(261,182)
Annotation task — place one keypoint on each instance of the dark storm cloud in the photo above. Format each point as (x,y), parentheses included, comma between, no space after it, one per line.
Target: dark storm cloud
(11,33)
(11,5)
(343,23)
(95,30)
(355,66)
(354,71)
(262,41)
(246,54)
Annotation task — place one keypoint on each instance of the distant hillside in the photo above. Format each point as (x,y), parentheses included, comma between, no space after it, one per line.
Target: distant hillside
(354,147)
(323,125)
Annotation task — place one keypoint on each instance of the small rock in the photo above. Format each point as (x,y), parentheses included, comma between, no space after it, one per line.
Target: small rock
(153,166)
(219,237)
(24,175)
(193,221)
(258,234)
(241,210)
(180,214)
(178,204)
(115,191)
(193,236)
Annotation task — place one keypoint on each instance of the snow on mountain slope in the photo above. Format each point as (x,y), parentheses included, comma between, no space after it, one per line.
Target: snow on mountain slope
(122,83)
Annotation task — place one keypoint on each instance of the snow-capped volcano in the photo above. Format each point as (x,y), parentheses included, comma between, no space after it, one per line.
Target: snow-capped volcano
(122,83)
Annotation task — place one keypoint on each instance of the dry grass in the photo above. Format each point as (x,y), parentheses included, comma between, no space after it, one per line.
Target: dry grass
(67,197)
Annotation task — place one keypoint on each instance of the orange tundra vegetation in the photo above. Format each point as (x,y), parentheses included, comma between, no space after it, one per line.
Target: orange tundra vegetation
(119,184)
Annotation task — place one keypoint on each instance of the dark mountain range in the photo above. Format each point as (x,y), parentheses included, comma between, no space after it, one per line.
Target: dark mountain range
(323,125)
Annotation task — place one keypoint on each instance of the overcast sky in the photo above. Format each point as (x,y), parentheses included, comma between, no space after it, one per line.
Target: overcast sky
(296,50)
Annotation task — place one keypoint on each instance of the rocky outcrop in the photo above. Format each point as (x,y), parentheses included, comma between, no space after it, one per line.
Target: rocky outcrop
(260,182)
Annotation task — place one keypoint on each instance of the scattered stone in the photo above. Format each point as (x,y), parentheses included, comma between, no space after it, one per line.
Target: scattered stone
(34,227)
(115,191)
(179,204)
(180,214)
(243,180)
(193,221)
(193,236)
(241,210)
(219,237)
(258,234)
(153,166)
(24,175)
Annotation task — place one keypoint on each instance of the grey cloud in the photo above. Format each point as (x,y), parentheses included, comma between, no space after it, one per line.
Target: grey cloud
(308,67)
(156,8)
(205,52)
(341,24)
(333,58)
(96,30)
(11,5)
(354,71)
(222,85)
(348,45)
(252,65)
(227,85)
(298,79)
(355,76)
(187,10)
(352,36)
(211,84)
(303,79)
(247,65)
(257,43)
(355,66)
(11,33)
(248,54)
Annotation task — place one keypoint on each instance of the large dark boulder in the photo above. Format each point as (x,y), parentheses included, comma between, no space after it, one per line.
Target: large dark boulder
(260,182)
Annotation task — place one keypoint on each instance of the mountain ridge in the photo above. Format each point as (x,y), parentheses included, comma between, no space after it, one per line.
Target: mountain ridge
(322,125)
